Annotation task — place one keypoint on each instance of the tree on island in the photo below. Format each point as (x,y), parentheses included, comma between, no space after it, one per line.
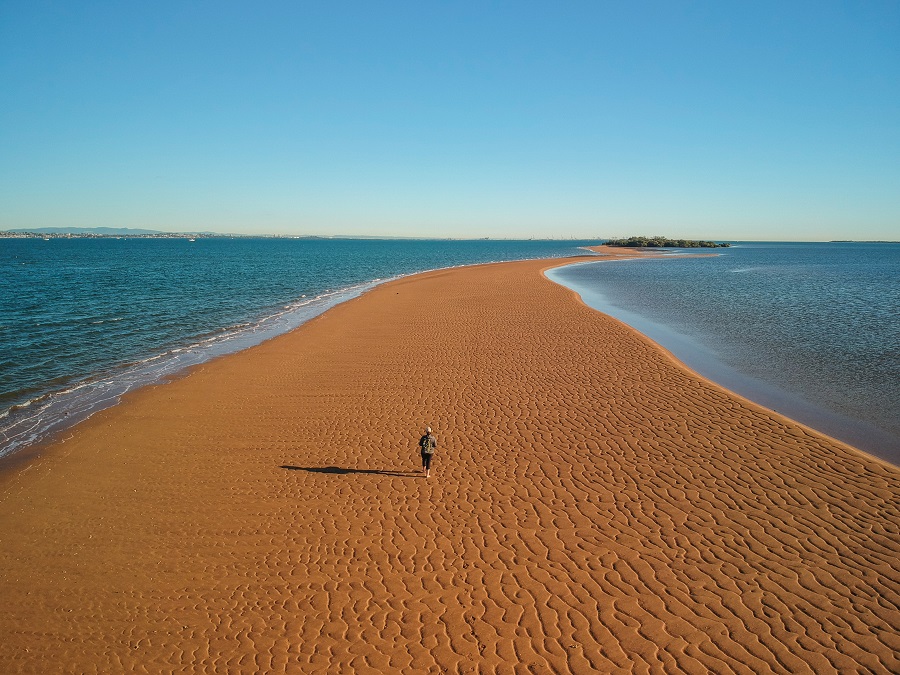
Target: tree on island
(663,242)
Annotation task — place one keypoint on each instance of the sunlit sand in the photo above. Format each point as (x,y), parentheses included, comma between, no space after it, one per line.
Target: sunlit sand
(593,507)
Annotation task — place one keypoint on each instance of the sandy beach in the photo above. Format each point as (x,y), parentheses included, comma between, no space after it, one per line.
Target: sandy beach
(593,507)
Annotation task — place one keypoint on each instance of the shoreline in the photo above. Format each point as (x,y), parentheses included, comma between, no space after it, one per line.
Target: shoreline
(26,427)
(698,358)
(791,401)
(45,418)
(594,506)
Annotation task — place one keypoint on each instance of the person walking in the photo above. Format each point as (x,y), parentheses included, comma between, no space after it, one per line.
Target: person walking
(427,444)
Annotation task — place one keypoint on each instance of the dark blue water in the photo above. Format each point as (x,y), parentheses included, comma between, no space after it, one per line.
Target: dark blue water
(83,321)
(810,330)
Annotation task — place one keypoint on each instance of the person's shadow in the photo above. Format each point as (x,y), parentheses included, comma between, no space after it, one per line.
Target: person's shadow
(342,471)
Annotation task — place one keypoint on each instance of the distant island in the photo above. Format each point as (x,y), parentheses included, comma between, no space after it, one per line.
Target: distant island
(663,242)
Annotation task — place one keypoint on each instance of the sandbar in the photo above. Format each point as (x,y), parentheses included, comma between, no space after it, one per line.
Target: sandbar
(594,506)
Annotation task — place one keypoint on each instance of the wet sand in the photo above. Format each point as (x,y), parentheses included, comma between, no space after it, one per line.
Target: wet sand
(593,507)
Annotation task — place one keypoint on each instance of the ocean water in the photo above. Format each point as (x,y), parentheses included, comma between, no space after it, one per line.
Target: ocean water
(84,321)
(809,330)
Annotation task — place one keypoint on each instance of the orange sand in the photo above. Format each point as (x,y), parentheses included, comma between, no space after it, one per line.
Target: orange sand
(594,507)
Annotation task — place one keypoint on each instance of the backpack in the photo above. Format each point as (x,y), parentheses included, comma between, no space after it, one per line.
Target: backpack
(427,443)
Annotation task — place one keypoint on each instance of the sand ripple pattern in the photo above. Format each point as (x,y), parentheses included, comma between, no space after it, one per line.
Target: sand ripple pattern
(594,507)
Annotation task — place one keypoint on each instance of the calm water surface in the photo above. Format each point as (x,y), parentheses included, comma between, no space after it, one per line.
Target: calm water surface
(810,330)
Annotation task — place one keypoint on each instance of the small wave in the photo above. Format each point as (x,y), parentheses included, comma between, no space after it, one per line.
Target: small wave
(39,418)
(61,409)
(27,404)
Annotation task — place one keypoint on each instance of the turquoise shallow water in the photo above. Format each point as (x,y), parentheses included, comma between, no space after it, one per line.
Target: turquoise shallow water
(83,321)
(810,330)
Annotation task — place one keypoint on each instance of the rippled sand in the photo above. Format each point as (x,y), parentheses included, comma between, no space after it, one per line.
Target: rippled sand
(593,507)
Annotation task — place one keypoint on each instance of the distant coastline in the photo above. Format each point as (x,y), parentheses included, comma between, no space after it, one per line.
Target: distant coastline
(134,233)
(137,233)
(129,233)
(21,234)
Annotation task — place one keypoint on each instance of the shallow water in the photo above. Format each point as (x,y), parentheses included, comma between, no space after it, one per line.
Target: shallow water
(810,330)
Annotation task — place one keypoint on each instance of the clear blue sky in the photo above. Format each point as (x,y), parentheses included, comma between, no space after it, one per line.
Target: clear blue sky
(726,120)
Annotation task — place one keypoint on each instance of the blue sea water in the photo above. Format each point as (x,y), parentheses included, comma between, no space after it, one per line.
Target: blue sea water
(83,321)
(809,330)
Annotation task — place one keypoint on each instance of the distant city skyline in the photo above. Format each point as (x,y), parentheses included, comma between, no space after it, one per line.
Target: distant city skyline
(721,121)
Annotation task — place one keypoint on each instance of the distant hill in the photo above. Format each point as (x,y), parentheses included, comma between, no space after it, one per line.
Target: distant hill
(110,231)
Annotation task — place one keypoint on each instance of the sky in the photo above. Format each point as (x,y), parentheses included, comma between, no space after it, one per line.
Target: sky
(711,120)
